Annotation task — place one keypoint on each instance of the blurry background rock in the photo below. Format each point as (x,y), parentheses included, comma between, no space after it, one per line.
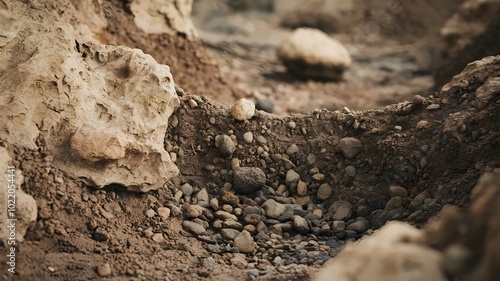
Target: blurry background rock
(311,54)
(472,33)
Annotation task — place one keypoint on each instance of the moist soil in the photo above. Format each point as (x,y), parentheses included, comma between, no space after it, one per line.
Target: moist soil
(79,229)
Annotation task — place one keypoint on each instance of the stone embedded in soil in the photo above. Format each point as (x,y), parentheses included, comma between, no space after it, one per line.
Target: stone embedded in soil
(164,213)
(203,198)
(104,270)
(229,233)
(359,226)
(225,145)
(378,218)
(310,53)
(340,210)
(300,225)
(248,137)
(396,190)
(393,203)
(248,180)
(350,147)
(193,227)
(193,211)
(186,189)
(273,209)
(324,192)
(301,188)
(244,242)
(243,109)
(292,177)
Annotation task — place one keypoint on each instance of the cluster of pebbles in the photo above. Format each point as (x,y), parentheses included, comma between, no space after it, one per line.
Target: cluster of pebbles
(278,225)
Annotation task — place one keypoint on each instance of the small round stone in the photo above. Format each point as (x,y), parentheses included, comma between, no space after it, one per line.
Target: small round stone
(248,137)
(324,192)
(243,109)
(104,270)
(248,180)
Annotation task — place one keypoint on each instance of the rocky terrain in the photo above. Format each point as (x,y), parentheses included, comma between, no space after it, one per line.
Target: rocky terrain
(137,160)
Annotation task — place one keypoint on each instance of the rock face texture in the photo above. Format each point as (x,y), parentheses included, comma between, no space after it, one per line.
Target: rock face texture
(396,252)
(311,54)
(102,110)
(171,17)
(25,209)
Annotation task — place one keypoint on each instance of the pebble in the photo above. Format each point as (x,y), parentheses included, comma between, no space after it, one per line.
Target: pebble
(292,125)
(359,226)
(193,227)
(350,171)
(248,180)
(338,226)
(291,177)
(248,137)
(423,124)
(265,105)
(150,213)
(393,203)
(287,215)
(324,192)
(186,189)
(229,233)
(340,210)
(225,144)
(318,213)
(350,147)
(318,177)
(273,209)
(232,224)
(300,225)
(378,218)
(104,270)
(398,191)
(244,242)
(192,103)
(433,106)
(193,211)
(301,188)
(164,213)
(202,197)
(231,199)
(158,237)
(292,149)
(419,199)
(243,109)
(225,215)
(214,204)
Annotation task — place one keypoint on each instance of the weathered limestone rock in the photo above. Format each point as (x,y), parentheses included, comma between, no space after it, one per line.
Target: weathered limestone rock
(396,252)
(311,54)
(102,110)
(25,210)
(171,16)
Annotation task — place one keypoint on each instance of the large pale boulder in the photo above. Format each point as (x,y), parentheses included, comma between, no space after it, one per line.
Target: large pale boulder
(160,16)
(395,253)
(14,221)
(102,110)
(311,54)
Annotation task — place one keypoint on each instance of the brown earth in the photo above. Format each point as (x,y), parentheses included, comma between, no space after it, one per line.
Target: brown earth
(79,228)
